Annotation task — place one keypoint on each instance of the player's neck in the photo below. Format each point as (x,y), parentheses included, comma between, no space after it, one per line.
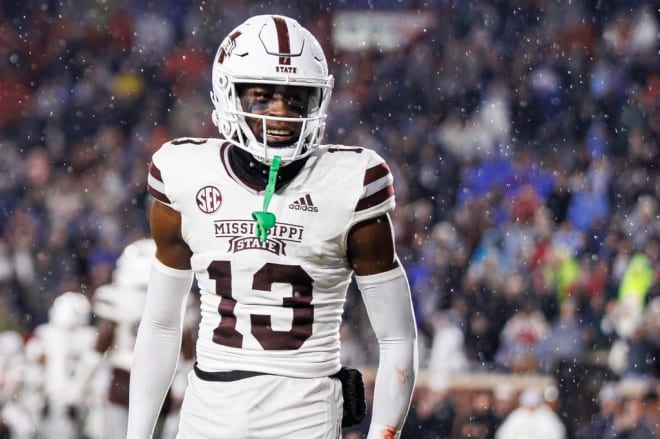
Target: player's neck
(255,174)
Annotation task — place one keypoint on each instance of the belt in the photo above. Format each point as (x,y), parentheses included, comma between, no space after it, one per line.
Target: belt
(230,375)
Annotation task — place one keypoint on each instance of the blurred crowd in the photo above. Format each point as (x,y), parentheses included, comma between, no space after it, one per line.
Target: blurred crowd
(523,136)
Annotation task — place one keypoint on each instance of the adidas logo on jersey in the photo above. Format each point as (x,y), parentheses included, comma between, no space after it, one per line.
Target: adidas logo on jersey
(305,204)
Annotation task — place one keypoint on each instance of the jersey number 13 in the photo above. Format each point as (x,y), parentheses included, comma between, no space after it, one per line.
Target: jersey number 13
(263,280)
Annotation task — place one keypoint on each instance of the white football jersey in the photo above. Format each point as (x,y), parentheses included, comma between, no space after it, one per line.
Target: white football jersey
(63,348)
(274,306)
(124,306)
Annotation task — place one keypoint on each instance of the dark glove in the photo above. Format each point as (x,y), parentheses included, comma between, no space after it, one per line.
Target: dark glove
(355,403)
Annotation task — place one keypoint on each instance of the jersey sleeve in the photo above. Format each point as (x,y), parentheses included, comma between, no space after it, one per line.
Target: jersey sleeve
(155,183)
(377,196)
(170,169)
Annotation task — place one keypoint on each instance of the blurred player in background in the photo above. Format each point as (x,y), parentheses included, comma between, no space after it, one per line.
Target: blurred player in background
(273,225)
(71,380)
(57,349)
(118,308)
(17,420)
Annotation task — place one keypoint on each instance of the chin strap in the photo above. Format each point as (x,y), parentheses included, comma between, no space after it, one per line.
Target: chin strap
(266,220)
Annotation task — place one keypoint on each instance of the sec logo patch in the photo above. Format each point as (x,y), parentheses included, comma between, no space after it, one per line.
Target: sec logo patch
(208,199)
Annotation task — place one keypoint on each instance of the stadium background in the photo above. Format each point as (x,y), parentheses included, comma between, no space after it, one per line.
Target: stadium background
(523,136)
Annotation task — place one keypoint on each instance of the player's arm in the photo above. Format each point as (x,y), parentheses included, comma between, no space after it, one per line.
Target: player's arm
(105,334)
(386,295)
(159,337)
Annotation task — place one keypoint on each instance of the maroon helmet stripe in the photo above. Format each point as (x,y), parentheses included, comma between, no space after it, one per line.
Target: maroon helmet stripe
(158,195)
(375,173)
(376,198)
(282,36)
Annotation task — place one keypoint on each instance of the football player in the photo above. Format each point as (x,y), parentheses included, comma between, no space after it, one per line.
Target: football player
(63,343)
(273,225)
(16,420)
(118,307)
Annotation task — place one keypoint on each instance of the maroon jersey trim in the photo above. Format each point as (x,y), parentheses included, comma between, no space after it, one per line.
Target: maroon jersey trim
(376,198)
(155,173)
(371,175)
(376,172)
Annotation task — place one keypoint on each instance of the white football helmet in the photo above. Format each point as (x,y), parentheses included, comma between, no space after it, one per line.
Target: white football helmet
(134,264)
(270,49)
(69,310)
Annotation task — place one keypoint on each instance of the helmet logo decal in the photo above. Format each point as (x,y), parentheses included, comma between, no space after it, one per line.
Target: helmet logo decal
(229,47)
(208,199)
